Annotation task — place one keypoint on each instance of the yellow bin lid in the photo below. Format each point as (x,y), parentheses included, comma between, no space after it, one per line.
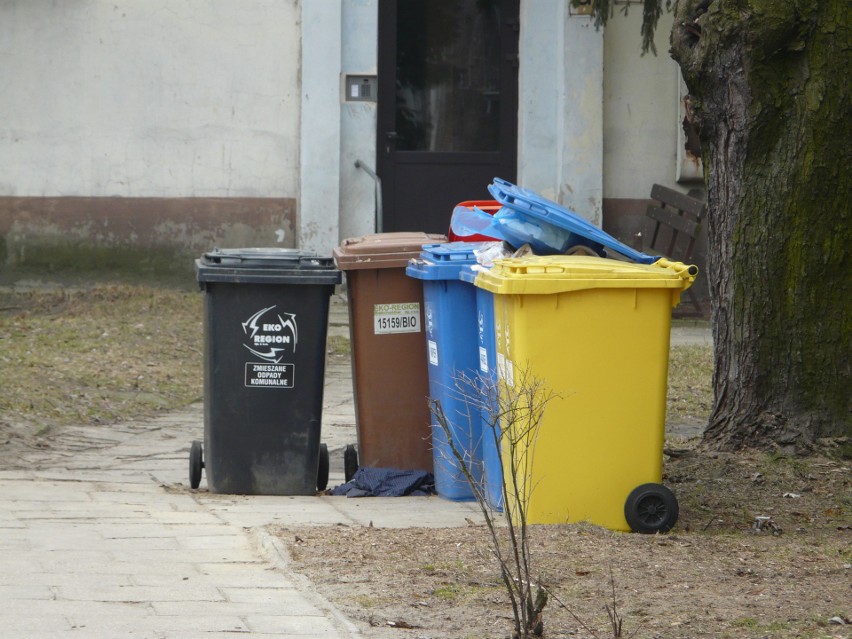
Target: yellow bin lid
(545,275)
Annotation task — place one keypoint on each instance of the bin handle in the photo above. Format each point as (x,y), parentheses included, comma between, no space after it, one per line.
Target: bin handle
(684,270)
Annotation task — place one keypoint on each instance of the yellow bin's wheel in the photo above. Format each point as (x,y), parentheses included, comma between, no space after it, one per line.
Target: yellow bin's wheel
(651,508)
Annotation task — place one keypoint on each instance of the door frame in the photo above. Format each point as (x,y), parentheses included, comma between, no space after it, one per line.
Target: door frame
(386,104)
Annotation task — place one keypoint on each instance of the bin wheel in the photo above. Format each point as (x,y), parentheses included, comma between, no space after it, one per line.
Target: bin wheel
(651,508)
(322,471)
(196,463)
(350,461)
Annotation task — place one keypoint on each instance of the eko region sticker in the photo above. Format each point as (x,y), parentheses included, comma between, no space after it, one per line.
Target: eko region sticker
(270,337)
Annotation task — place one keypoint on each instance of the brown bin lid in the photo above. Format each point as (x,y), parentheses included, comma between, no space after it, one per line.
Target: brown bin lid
(383,250)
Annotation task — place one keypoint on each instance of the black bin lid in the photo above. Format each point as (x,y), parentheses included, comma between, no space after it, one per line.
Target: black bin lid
(266,266)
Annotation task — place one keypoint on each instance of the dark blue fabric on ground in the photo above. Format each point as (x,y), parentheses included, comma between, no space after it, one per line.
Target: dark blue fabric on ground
(387,482)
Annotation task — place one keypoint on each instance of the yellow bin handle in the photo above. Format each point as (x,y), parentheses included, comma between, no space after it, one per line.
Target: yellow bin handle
(686,271)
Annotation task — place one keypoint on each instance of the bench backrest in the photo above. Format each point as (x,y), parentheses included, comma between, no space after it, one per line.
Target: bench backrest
(677,222)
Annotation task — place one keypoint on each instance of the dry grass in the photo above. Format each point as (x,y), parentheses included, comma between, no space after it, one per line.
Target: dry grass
(101,355)
(690,392)
(117,352)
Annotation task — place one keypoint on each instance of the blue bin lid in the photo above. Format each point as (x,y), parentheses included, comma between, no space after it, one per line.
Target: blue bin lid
(532,206)
(443,261)
(467,274)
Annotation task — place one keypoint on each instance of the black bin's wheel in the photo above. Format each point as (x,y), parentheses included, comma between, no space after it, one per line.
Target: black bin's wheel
(322,470)
(651,508)
(350,461)
(196,463)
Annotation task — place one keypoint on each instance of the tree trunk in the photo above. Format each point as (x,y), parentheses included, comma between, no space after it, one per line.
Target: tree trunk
(769,84)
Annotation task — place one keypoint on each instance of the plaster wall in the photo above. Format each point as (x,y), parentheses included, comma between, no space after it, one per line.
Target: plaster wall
(642,120)
(155,98)
(136,135)
(640,107)
(560,95)
(218,108)
(318,224)
(358,56)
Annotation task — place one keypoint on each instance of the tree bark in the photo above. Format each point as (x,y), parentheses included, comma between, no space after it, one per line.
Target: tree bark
(769,82)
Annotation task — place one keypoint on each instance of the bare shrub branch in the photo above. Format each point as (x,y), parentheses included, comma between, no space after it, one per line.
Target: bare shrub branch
(512,416)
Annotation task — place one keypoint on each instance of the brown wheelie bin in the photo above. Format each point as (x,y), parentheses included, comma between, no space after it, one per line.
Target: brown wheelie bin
(388,346)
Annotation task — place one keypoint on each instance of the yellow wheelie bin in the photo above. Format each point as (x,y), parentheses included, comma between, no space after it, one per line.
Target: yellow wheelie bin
(595,332)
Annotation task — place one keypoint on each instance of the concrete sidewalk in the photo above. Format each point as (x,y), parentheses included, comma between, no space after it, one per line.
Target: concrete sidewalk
(100,537)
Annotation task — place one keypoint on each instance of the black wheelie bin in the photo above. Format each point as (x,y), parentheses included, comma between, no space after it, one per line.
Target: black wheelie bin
(265,327)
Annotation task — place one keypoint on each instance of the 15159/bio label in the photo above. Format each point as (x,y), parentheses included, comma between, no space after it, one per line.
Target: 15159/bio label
(403,317)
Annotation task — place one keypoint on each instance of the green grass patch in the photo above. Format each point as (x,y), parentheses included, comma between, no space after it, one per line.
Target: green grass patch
(448,592)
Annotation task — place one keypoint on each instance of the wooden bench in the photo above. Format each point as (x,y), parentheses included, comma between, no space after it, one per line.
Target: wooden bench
(677,221)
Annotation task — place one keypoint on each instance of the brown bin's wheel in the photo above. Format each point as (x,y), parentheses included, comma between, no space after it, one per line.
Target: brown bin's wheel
(350,462)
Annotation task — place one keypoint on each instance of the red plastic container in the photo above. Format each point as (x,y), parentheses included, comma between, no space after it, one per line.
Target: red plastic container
(490,207)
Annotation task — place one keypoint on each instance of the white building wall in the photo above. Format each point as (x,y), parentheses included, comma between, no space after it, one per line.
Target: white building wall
(640,108)
(359,53)
(154,98)
(213,98)
(318,221)
(539,103)
(560,121)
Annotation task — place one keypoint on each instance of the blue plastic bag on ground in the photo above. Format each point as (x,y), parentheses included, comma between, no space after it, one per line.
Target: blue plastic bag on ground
(387,482)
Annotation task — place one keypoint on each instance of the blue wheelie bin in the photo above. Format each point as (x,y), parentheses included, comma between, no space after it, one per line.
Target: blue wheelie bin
(453,361)
(492,467)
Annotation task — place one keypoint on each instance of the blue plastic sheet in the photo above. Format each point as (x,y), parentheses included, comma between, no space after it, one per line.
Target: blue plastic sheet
(387,482)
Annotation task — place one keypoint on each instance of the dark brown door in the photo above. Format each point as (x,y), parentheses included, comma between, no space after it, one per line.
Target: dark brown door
(447,106)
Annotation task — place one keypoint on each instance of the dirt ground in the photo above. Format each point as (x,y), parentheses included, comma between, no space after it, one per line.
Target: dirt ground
(714,575)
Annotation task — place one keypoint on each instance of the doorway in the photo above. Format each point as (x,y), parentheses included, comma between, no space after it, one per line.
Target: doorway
(447,106)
